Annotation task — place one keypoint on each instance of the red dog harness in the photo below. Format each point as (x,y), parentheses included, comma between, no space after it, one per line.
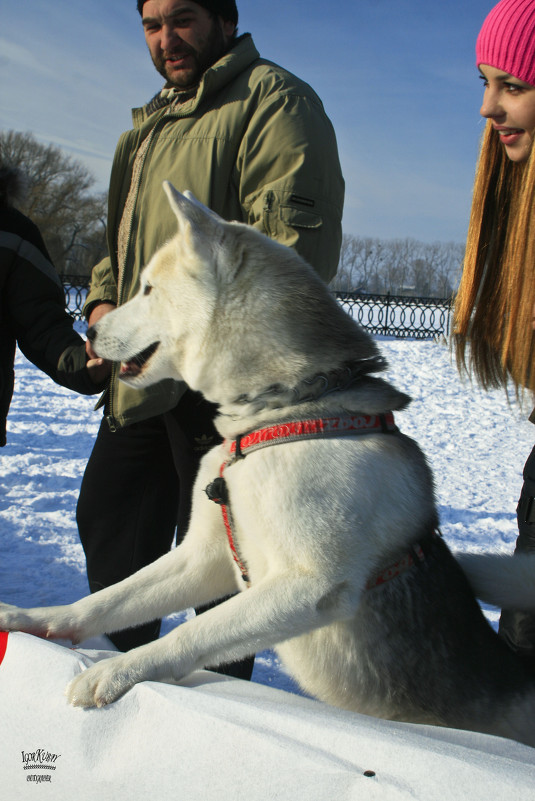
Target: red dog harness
(350,425)
(309,429)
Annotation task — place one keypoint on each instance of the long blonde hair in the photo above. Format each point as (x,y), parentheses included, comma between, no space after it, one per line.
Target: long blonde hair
(494,304)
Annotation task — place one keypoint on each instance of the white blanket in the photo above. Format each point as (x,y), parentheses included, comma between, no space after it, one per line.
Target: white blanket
(211,738)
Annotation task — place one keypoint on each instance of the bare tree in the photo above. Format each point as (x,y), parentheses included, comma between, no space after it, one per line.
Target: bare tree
(398,266)
(59,200)
(445,260)
(360,264)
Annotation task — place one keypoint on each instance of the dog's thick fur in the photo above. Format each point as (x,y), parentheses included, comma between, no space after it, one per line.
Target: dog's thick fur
(245,321)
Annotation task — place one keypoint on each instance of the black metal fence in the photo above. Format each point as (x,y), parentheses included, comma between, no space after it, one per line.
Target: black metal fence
(75,288)
(383,315)
(398,315)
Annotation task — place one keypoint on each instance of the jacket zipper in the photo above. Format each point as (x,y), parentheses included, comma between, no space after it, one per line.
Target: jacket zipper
(268,209)
(171,112)
(110,418)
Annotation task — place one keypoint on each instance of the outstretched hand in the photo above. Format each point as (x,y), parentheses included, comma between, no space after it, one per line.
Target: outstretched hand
(98,369)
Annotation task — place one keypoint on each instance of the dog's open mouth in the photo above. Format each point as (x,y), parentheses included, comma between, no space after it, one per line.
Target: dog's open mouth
(137,364)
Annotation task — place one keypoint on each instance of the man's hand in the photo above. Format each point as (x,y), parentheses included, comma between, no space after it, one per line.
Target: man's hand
(98,312)
(98,369)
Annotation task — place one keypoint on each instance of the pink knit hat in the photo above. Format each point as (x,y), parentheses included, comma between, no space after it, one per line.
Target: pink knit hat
(507,39)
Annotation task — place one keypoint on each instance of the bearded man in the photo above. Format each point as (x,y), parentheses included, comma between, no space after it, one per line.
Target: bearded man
(252,142)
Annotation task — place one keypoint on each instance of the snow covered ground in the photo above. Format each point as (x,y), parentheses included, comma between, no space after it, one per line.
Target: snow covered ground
(475,441)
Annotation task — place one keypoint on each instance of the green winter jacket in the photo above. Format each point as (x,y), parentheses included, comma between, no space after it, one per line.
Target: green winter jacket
(255,145)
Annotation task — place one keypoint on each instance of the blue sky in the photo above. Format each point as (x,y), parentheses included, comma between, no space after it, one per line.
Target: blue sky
(397,78)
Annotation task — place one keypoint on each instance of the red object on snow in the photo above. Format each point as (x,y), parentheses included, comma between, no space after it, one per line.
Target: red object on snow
(3,645)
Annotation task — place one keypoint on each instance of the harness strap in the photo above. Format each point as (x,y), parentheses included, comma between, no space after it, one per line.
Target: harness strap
(349,425)
(217,492)
(416,555)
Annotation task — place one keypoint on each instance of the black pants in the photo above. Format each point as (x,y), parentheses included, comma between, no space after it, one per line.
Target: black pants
(136,491)
(518,628)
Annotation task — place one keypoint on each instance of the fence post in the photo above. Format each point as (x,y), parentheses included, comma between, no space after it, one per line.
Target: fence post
(387,310)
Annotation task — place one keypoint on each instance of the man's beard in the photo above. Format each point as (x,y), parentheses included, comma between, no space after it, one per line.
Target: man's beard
(211,51)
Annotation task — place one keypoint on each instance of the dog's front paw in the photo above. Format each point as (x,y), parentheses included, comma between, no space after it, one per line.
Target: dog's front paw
(101,684)
(48,622)
(13,618)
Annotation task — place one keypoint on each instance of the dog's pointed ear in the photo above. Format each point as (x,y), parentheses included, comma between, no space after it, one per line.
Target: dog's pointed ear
(190,196)
(203,228)
(188,209)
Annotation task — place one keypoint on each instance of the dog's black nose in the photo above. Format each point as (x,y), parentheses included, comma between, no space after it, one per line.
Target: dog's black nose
(91,333)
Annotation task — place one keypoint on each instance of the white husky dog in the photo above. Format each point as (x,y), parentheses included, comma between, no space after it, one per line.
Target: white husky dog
(325,531)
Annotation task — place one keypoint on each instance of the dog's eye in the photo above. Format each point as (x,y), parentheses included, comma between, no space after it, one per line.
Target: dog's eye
(147,290)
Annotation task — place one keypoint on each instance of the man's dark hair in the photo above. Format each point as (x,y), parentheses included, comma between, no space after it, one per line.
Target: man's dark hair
(220,8)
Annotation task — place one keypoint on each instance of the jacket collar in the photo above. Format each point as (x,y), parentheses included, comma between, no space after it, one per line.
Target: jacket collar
(241,56)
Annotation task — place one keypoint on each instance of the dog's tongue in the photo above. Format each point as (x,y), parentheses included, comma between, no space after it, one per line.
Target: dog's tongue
(129,368)
(135,365)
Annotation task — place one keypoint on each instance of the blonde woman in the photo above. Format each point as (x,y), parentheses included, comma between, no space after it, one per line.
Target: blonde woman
(494,309)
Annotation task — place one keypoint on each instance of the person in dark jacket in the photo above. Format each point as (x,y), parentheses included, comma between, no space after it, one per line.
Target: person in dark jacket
(32,307)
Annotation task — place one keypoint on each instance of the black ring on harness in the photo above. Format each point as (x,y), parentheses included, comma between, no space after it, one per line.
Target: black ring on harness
(239,454)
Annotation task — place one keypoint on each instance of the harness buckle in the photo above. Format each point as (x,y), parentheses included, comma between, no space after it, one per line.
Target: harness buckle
(217,491)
